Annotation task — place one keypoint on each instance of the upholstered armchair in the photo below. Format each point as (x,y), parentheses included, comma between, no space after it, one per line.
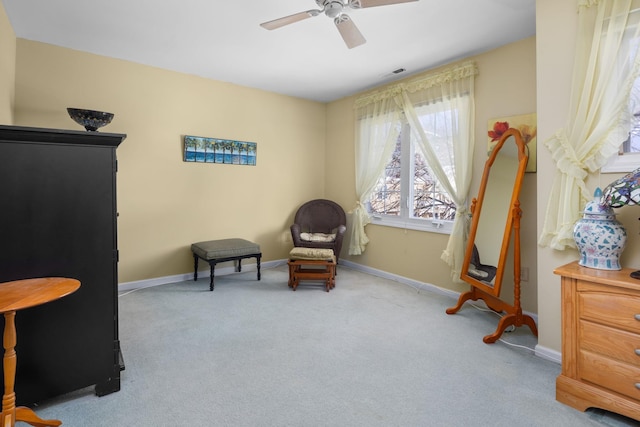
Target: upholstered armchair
(319,223)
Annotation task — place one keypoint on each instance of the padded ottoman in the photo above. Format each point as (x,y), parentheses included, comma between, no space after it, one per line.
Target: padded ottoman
(215,251)
(312,264)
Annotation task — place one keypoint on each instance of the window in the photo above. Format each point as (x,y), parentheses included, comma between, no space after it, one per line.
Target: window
(438,116)
(408,194)
(628,156)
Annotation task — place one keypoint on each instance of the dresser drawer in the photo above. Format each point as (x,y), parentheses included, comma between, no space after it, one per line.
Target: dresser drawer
(609,373)
(610,308)
(610,342)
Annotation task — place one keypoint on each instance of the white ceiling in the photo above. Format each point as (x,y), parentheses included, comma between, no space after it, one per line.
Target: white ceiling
(222,40)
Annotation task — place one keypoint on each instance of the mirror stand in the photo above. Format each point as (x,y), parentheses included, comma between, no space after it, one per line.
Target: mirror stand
(513,313)
(496,212)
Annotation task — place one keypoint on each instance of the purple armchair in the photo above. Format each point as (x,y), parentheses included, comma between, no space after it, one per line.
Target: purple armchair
(319,223)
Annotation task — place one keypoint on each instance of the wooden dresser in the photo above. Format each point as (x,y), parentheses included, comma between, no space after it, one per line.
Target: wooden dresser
(600,340)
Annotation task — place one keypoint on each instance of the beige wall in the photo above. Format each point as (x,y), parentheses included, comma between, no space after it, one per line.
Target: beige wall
(305,150)
(505,86)
(164,203)
(555,34)
(7,68)
(556,24)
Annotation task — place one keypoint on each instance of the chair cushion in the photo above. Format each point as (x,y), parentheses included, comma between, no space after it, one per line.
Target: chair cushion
(318,237)
(224,248)
(310,254)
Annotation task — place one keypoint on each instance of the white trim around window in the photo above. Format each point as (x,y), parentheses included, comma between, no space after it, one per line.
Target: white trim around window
(431,225)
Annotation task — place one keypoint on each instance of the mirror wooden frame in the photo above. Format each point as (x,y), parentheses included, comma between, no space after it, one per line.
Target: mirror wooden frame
(490,294)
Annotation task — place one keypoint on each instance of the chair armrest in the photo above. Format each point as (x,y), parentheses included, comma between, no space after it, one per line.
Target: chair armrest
(295,235)
(338,242)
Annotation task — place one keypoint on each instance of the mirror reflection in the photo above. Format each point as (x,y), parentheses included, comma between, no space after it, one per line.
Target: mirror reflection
(494,222)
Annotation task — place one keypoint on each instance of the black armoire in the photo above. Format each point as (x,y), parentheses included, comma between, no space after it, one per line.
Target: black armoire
(58,218)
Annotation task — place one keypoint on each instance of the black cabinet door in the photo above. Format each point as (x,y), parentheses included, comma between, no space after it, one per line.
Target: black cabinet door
(59,219)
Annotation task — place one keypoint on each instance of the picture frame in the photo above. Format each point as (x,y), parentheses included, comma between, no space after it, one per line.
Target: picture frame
(200,149)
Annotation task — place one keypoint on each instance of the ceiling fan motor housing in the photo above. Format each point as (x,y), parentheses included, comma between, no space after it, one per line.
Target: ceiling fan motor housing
(331,8)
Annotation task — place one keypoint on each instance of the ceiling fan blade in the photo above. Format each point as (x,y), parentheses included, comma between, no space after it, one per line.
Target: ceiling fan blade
(281,22)
(361,4)
(349,32)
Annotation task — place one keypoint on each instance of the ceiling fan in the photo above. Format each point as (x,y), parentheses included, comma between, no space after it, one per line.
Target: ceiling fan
(335,9)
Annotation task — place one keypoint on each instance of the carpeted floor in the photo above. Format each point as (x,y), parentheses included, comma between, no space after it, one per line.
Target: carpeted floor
(372,352)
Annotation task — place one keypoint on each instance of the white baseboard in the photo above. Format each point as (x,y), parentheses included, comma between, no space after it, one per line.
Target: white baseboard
(540,351)
(413,283)
(405,280)
(220,271)
(549,354)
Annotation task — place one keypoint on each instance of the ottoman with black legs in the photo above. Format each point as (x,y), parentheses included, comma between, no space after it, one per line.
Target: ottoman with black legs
(217,251)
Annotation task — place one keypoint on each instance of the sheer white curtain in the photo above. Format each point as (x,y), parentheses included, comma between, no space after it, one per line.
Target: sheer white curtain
(441,101)
(440,111)
(378,125)
(605,68)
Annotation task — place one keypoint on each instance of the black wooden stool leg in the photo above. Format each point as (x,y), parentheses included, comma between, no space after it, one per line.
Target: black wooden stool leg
(213,267)
(258,258)
(195,267)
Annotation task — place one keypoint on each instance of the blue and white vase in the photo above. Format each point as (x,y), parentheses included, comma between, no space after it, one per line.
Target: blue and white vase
(599,236)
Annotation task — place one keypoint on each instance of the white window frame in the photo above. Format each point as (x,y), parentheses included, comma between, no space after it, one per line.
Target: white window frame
(405,220)
(622,162)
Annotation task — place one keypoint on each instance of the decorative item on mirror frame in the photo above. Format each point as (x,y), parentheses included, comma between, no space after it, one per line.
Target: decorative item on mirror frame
(526,124)
(622,192)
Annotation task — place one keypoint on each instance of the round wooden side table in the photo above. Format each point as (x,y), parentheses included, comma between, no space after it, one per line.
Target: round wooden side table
(14,296)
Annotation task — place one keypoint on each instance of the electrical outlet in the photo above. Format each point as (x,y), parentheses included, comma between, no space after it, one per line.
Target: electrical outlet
(524,274)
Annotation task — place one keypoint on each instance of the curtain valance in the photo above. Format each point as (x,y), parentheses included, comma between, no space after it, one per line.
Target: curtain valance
(459,72)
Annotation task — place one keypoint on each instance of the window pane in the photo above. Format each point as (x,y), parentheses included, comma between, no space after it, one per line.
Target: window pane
(439,121)
(386,197)
(632,144)
(430,200)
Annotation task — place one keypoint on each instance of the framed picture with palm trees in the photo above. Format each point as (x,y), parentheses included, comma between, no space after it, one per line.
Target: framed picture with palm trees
(200,149)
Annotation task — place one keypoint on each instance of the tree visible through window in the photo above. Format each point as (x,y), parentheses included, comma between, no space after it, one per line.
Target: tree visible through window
(413,191)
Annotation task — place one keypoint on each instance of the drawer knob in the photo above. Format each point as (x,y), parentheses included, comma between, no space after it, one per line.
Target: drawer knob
(637,316)
(638,386)
(637,350)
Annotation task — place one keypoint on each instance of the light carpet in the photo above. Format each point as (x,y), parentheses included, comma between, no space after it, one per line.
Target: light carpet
(372,352)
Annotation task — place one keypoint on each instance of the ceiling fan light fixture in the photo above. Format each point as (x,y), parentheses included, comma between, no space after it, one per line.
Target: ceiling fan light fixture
(333,8)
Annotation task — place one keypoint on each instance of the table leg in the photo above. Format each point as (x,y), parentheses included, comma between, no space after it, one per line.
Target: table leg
(9,367)
(11,414)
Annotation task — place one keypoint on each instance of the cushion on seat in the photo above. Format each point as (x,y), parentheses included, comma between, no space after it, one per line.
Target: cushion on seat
(318,237)
(311,254)
(224,248)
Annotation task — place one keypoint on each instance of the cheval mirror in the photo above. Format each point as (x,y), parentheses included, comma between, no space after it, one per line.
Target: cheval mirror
(496,212)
